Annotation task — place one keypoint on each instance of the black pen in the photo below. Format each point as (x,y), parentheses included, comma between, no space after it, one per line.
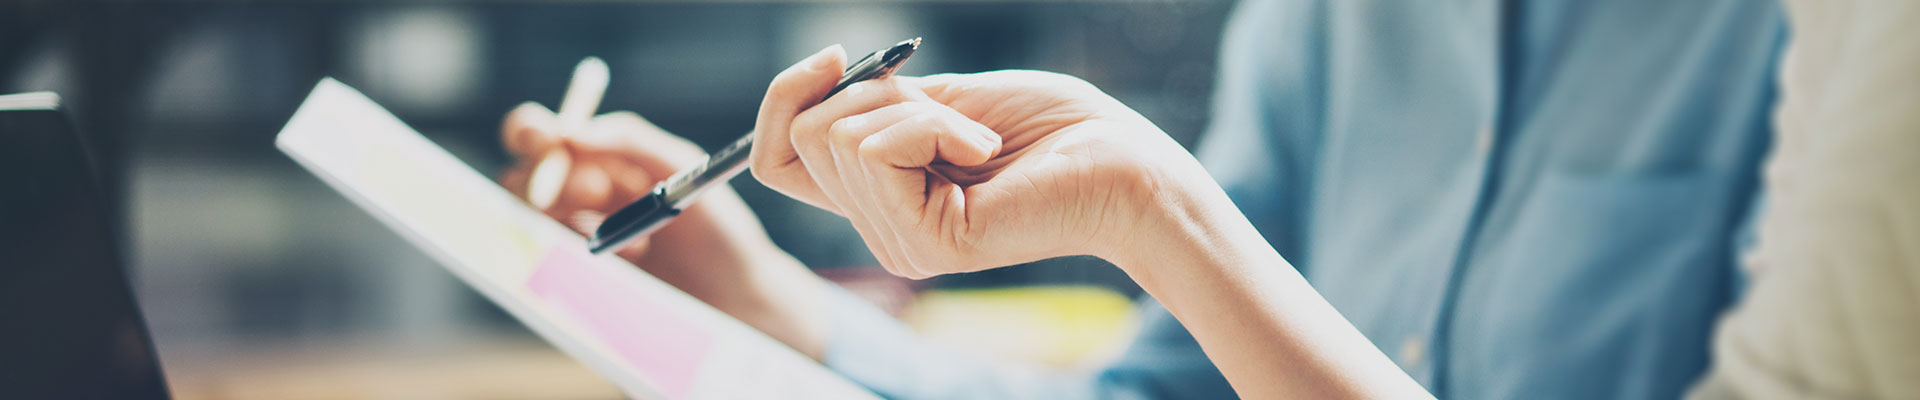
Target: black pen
(674,194)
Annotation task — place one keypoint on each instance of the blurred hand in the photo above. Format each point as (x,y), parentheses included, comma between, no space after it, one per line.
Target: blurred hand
(715,250)
(959,173)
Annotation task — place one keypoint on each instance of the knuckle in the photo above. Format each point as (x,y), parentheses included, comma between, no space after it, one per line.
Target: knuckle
(1047,79)
(807,124)
(844,126)
(808,130)
(856,89)
(885,90)
(933,124)
(761,166)
(860,89)
(771,172)
(918,107)
(847,132)
(902,89)
(872,152)
(908,107)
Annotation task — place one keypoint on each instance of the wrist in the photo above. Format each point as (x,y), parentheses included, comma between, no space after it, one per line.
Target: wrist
(1255,316)
(1184,221)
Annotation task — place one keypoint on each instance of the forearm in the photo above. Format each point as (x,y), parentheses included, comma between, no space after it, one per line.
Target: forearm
(718,253)
(1256,317)
(787,302)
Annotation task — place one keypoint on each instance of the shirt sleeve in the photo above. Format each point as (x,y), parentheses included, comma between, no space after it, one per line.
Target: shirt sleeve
(876,351)
(1262,140)
(1834,278)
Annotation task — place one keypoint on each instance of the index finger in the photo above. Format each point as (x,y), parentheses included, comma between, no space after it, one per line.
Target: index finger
(774,161)
(530,131)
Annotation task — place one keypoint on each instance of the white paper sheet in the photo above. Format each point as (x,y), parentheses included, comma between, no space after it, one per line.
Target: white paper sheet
(648,338)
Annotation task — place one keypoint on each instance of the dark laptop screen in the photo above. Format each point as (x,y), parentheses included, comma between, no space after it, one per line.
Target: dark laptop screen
(69,328)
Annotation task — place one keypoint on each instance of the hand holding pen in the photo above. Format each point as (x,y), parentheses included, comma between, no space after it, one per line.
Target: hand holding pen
(584,92)
(716,250)
(670,197)
(576,166)
(553,169)
(964,172)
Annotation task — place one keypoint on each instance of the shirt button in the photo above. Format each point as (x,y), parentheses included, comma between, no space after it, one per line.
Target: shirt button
(1413,350)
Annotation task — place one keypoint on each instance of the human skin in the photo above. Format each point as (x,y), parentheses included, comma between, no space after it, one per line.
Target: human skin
(957,173)
(963,172)
(716,250)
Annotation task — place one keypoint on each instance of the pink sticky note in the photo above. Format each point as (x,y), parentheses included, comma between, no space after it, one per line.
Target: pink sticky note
(664,347)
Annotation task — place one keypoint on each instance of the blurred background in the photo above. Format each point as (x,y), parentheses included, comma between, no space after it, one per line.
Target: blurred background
(258,281)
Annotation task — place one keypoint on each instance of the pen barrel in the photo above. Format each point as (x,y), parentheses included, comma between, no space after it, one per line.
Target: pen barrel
(677,192)
(637,220)
(680,190)
(722,165)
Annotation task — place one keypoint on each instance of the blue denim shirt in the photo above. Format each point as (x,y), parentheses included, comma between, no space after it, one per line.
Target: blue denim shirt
(1513,199)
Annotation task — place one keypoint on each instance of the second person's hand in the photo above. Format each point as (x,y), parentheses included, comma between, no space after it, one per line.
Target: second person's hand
(958,173)
(963,172)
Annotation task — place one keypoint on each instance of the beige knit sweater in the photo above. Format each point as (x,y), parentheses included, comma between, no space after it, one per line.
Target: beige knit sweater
(1832,309)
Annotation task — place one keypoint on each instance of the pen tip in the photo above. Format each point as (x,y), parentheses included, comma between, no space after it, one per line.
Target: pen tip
(915,41)
(595,246)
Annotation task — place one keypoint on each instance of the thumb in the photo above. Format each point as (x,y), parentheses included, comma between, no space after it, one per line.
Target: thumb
(775,162)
